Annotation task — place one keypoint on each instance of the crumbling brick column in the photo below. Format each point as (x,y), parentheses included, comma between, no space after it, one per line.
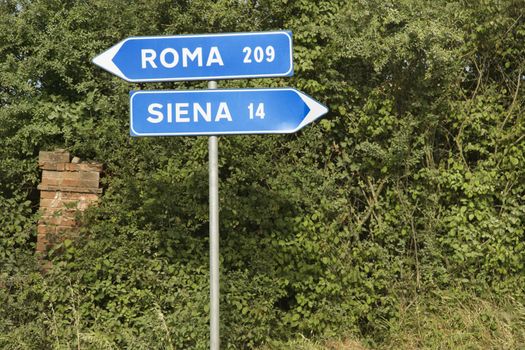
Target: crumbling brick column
(66,188)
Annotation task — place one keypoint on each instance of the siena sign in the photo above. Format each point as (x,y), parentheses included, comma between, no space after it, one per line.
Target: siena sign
(221,112)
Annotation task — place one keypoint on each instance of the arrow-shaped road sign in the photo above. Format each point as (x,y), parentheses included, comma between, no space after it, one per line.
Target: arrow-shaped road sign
(221,112)
(200,57)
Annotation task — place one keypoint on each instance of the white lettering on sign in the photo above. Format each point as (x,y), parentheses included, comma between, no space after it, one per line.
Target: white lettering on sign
(223,112)
(206,115)
(169,57)
(154,109)
(214,57)
(179,111)
(157,112)
(174,60)
(148,56)
(197,54)
(258,54)
(259,112)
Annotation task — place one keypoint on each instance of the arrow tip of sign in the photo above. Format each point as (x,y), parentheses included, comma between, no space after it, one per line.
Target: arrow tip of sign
(105,61)
(316,110)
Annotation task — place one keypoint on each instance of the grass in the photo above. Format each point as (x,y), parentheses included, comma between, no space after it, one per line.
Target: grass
(440,321)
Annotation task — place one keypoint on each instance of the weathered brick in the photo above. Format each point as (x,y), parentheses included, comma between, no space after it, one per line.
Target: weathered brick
(51,215)
(51,203)
(87,197)
(60,203)
(49,174)
(84,167)
(50,230)
(79,183)
(59,221)
(71,175)
(80,196)
(64,212)
(42,243)
(66,189)
(65,229)
(81,175)
(43,229)
(53,157)
(48,194)
(53,166)
(48,181)
(90,175)
(41,247)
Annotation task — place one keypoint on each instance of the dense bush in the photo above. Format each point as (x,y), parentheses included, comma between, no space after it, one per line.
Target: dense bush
(414,182)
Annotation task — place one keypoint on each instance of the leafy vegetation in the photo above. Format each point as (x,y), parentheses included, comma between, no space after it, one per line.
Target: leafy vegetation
(442,321)
(396,221)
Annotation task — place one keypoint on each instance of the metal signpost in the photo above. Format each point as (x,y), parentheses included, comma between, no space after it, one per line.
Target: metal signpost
(211,112)
(213,166)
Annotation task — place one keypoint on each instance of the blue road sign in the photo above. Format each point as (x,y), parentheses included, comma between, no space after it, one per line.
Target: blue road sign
(200,57)
(221,112)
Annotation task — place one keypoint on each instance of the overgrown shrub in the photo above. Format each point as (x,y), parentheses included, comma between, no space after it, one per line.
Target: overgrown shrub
(412,183)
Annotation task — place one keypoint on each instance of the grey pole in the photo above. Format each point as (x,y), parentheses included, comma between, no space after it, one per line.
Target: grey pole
(213,151)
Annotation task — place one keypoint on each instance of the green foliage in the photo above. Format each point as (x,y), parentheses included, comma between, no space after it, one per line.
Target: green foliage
(439,321)
(413,182)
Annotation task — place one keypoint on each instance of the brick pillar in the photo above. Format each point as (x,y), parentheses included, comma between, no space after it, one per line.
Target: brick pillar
(66,188)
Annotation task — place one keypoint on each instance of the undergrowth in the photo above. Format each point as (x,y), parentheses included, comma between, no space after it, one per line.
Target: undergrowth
(440,320)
